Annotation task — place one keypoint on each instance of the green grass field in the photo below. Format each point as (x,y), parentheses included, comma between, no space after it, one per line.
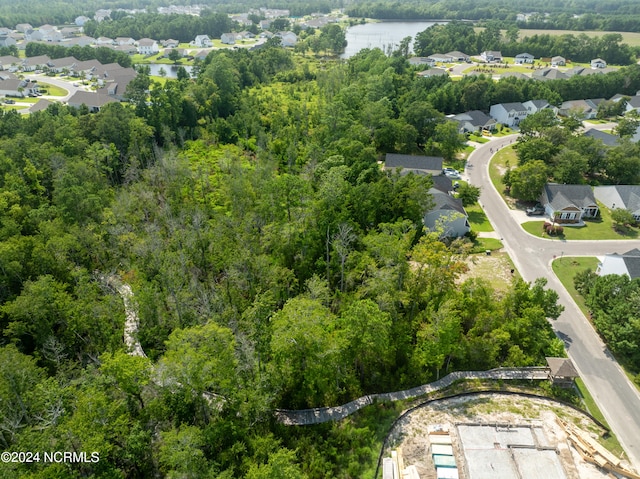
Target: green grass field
(566,268)
(503,159)
(53,90)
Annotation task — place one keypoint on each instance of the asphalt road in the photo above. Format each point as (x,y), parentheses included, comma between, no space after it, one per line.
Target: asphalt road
(617,398)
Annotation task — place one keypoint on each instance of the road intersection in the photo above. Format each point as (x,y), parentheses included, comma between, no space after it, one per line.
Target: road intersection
(617,398)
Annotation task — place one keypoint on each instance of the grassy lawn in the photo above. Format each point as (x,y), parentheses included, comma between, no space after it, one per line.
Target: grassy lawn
(566,268)
(478,219)
(53,90)
(481,245)
(15,107)
(478,139)
(505,158)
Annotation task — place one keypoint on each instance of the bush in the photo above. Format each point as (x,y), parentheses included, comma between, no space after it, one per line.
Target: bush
(552,230)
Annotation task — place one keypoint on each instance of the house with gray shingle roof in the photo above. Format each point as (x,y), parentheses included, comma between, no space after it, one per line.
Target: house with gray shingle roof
(474,120)
(607,138)
(522,58)
(623,264)
(418,164)
(447,215)
(569,204)
(549,74)
(620,196)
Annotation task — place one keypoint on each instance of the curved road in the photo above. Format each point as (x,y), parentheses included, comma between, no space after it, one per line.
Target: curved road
(617,398)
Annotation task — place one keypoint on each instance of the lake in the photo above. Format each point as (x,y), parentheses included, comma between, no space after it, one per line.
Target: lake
(172,71)
(382,35)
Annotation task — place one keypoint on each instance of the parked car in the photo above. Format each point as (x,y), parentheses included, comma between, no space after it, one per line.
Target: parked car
(536,210)
(8,101)
(451,173)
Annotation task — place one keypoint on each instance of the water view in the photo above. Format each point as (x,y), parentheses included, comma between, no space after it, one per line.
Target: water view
(383,35)
(170,70)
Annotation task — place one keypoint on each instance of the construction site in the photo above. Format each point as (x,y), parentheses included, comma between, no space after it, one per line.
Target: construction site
(496,436)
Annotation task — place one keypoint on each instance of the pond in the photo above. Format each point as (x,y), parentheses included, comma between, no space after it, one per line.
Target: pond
(171,70)
(382,35)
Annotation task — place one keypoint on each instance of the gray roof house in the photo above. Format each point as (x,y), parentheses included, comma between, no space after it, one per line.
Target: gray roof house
(569,204)
(433,72)
(534,106)
(420,165)
(598,63)
(620,196)
(491,56)
(447,215)
(549,74)
(607,139)
(588,107)
(93,101)
(474,120)
(558,61)
(422,61)
(623,264)
(457,56)
(521,58)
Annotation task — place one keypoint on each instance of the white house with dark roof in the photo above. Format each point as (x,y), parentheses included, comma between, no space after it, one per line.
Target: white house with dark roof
(588,107)
(623,264)
(441,58)
(228,38)
(474,121)
(509,114)
(417,61)
(598,63)
(457,56)
(522,58)
(418,164)
(147,46)
(620,196)
(558,61)
(569,204)
(93,101)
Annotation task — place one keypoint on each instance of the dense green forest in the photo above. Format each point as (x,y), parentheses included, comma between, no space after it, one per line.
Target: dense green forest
(614,302)
(273,263)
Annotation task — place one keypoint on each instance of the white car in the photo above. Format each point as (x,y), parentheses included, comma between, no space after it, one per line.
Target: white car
(451,173)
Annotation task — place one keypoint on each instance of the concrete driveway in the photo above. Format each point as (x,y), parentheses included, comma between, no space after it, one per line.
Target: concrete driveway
(617,398)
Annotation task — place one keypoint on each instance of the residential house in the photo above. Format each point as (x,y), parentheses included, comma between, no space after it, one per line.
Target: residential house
(147,46)
(125,41)
(288,39)
(633,103)
(598,63)
(128,49)
(203,41)
(474,121)
(81,20)
(508,114)
(549,74)
(246,34)
(61,64)
(201,54)
(558,61)
(522,58)
(181,51)
(441,58)
(433,72)
(228,38)
(490,56)
(81,41)
(41,105)
(620,196)
(265,24)
(607,139)
(24,28)
(587,108)
(9,61)
(457,56)
(447,215)
(418,164)
(116,85)
(623,264)
(69,32)
(85,69)
(93,101)
(569,204)
(101,15)
(170,43)
(104,41)
(582,71)
(415,61)
(7,41)
(12,87)
(534,106)
(35,63)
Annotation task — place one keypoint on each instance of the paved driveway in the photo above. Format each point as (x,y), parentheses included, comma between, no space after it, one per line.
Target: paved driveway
(615,395)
